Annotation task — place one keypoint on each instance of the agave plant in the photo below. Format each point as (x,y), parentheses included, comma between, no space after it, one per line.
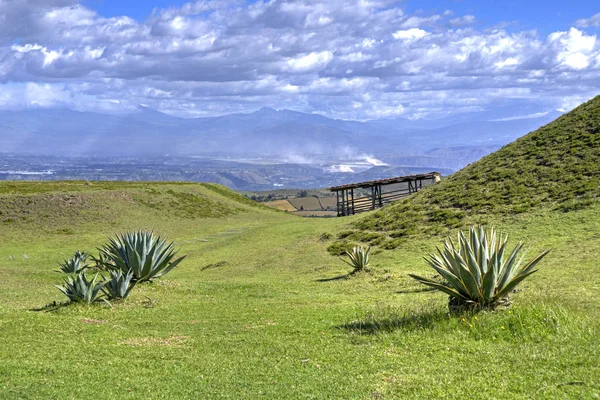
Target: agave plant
(475,272)
(79,289)
(118,285)
(359,258)
(100,263)
(78,263)
(146,255)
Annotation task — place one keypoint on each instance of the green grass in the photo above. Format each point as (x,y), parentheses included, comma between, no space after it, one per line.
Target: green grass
(556,167)
(261,309)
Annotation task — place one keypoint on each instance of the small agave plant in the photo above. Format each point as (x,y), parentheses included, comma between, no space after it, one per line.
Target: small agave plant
(78,263)
(358,258)
(476,272)
(118,285)
(80,289)
(146,255)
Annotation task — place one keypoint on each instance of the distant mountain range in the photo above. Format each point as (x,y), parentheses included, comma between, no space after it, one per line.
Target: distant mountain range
(269,134)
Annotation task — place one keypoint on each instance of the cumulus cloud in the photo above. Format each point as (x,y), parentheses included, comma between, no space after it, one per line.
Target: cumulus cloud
(587,22)
(462,21)
(414,33)
(357,59)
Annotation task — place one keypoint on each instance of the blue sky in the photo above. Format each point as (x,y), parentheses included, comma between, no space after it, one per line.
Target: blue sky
(353,59)
(543,15)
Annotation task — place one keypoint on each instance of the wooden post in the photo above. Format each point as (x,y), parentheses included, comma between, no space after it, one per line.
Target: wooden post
(337,201)
(352,191)
(373,191)
(347,202)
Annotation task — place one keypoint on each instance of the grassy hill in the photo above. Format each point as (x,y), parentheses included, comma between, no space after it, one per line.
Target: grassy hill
(556,167)
(260,308)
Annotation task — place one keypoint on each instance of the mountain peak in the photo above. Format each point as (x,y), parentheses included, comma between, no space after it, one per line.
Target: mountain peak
(266,110)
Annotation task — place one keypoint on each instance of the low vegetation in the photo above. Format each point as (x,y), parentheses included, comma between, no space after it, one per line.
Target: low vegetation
(142,253)
(358,258)
(474,271)
(252,309)
(79,288)
(119,284)
(76,264)
(128,258)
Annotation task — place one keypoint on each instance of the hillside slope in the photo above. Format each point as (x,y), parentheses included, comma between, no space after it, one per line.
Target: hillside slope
(556,167)
(77,207)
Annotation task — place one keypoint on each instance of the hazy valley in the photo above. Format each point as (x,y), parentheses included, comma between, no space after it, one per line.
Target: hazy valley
(258,151)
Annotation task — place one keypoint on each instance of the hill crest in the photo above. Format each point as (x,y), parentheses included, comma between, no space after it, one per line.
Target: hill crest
(556,167)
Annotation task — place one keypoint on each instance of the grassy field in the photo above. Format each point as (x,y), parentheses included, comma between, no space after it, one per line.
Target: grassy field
(314,203)
(283,205)
(260,308)
(306,206)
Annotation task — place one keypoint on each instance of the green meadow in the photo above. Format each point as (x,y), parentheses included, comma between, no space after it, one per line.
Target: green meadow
(260,308)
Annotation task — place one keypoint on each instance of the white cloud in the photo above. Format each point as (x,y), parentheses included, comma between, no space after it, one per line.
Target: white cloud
(409,34)
(509,62)
(574,48)
(587,22)
(576,61)
(310,62)
(462,21)
(344,58)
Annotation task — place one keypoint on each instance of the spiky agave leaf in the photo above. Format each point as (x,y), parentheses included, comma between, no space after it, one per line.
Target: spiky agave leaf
(118,285)
(75,264)
(359,258)
(146,255)
(474,269)
(79,289)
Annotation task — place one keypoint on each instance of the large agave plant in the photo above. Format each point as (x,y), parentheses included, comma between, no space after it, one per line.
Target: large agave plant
(79,289)
(475,271)
(77,263)
(146,255)
(118,285)
(358,258)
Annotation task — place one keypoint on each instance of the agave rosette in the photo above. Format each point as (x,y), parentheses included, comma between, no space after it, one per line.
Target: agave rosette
(359,257)
(146,255)
(118,285)
(76,264)
(475,270)
(80,289)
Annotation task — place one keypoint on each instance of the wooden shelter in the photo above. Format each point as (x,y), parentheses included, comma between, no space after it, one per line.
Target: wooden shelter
(376,195)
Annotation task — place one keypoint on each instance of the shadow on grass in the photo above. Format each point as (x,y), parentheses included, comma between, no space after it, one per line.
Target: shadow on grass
(389,323)
(214,265)
(338,278)
(408,291)
(51,307)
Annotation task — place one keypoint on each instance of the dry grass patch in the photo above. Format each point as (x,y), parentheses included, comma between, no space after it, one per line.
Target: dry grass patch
(171,341)
(283,205)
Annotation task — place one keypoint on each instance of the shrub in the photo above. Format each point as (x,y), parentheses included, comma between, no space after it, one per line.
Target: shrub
(359,258)
(475,271)
(78,263)
(80,289)
(146,255)
(118,285)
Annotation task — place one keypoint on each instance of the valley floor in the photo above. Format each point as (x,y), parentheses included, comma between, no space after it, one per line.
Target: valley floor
(261,309)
